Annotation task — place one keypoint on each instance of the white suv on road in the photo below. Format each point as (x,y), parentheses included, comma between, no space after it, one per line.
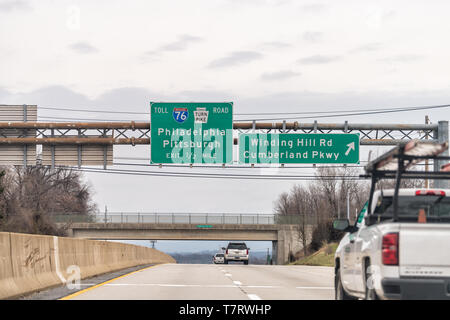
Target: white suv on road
(236,251)
(219,258)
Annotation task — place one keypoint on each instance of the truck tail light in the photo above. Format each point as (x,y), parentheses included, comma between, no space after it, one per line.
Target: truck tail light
(430,193)
(390,249)
(247,252)
(226,251)
(446,167)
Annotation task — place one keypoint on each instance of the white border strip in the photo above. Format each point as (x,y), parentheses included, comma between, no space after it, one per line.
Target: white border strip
(56,252)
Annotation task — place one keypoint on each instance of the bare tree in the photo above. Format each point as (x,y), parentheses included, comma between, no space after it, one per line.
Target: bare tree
(319,202)
(282,204)
(33,195)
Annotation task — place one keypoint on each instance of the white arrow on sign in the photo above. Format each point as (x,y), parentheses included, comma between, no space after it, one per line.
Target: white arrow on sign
(351,146)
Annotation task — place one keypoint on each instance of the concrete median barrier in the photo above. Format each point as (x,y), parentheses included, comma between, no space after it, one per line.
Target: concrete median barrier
(29,263)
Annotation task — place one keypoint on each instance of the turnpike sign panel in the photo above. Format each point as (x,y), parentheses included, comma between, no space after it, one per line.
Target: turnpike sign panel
(191,132)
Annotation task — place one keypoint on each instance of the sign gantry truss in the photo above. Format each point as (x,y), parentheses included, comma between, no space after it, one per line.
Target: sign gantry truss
(134,133)
(23,140)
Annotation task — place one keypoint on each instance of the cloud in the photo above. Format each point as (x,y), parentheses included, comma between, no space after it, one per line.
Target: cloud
(83,47)
(276,45)
(260,2)
(181,43)
(369,47)
(313,8)
(280,75)
(403,58)
(312,36)
(236,58)
(11,5)
(137,99)
(318,59)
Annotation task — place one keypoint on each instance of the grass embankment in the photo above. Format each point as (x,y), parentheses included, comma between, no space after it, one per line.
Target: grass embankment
(323,257)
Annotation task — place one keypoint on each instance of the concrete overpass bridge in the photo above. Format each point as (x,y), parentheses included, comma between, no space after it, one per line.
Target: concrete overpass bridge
(284,237)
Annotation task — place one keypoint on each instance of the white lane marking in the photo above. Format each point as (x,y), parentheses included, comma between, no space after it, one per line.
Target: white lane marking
(56,251)
(268,287)
(253,297)
(314,288)
(238,283)
(228,275)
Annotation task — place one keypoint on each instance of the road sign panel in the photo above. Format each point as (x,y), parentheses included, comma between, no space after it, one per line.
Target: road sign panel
(191,132)
(298,148)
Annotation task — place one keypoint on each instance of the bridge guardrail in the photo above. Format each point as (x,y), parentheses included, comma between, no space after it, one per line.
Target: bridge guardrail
(181,218)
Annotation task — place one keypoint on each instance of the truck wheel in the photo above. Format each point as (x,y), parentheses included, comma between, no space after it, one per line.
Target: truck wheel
(226,261)
(370,291)
(246,262)
(339,291)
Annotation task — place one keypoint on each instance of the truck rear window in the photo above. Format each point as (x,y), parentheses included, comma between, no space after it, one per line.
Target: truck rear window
(435,206)
(238,246)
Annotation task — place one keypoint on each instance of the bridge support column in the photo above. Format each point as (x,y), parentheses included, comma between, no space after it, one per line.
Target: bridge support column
(274,252)
(288,243)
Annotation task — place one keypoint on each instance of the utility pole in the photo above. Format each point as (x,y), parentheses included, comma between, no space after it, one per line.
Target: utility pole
(339,210)
(427,121)
(348,205)
(106,212)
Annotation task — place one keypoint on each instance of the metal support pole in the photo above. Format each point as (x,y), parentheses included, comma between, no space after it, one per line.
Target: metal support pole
(25,147)
(52,150)
(398,179)
(427,182)
(442,136)
(348,205)
(315,131)
(79,151)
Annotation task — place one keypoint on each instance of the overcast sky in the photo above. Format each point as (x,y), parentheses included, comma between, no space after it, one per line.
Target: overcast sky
(264,55)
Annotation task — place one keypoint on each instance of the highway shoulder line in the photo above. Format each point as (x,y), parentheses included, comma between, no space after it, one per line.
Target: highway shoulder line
(73,295)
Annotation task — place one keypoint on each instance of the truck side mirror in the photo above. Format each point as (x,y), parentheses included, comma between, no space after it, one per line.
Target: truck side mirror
(341,224)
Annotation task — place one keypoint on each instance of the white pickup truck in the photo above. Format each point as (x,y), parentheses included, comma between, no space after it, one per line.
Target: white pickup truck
(399,246)
(406,259)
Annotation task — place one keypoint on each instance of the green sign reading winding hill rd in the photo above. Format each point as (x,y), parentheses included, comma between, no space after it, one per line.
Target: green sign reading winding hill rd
(299,148)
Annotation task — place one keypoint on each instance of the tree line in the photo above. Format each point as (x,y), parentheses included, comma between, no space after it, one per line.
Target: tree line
(30,198)
(316,204)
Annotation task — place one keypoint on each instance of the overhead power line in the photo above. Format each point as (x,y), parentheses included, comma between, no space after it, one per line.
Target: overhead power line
(212,175)
(317,114)
(228,166)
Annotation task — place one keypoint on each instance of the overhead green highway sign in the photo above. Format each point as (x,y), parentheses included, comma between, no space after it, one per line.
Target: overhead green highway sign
(298,148)
(191,132)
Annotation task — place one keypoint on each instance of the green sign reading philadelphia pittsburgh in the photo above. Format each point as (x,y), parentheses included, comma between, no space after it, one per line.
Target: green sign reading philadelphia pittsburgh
(298,148)
(191,132)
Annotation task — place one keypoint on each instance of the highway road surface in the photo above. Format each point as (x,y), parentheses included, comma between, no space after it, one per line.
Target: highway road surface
(216,282)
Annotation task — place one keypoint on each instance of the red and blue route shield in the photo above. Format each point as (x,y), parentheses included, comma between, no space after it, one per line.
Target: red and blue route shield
(180,114)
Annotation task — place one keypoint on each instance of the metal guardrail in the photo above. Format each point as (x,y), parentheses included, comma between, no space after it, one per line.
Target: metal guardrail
(181,218)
